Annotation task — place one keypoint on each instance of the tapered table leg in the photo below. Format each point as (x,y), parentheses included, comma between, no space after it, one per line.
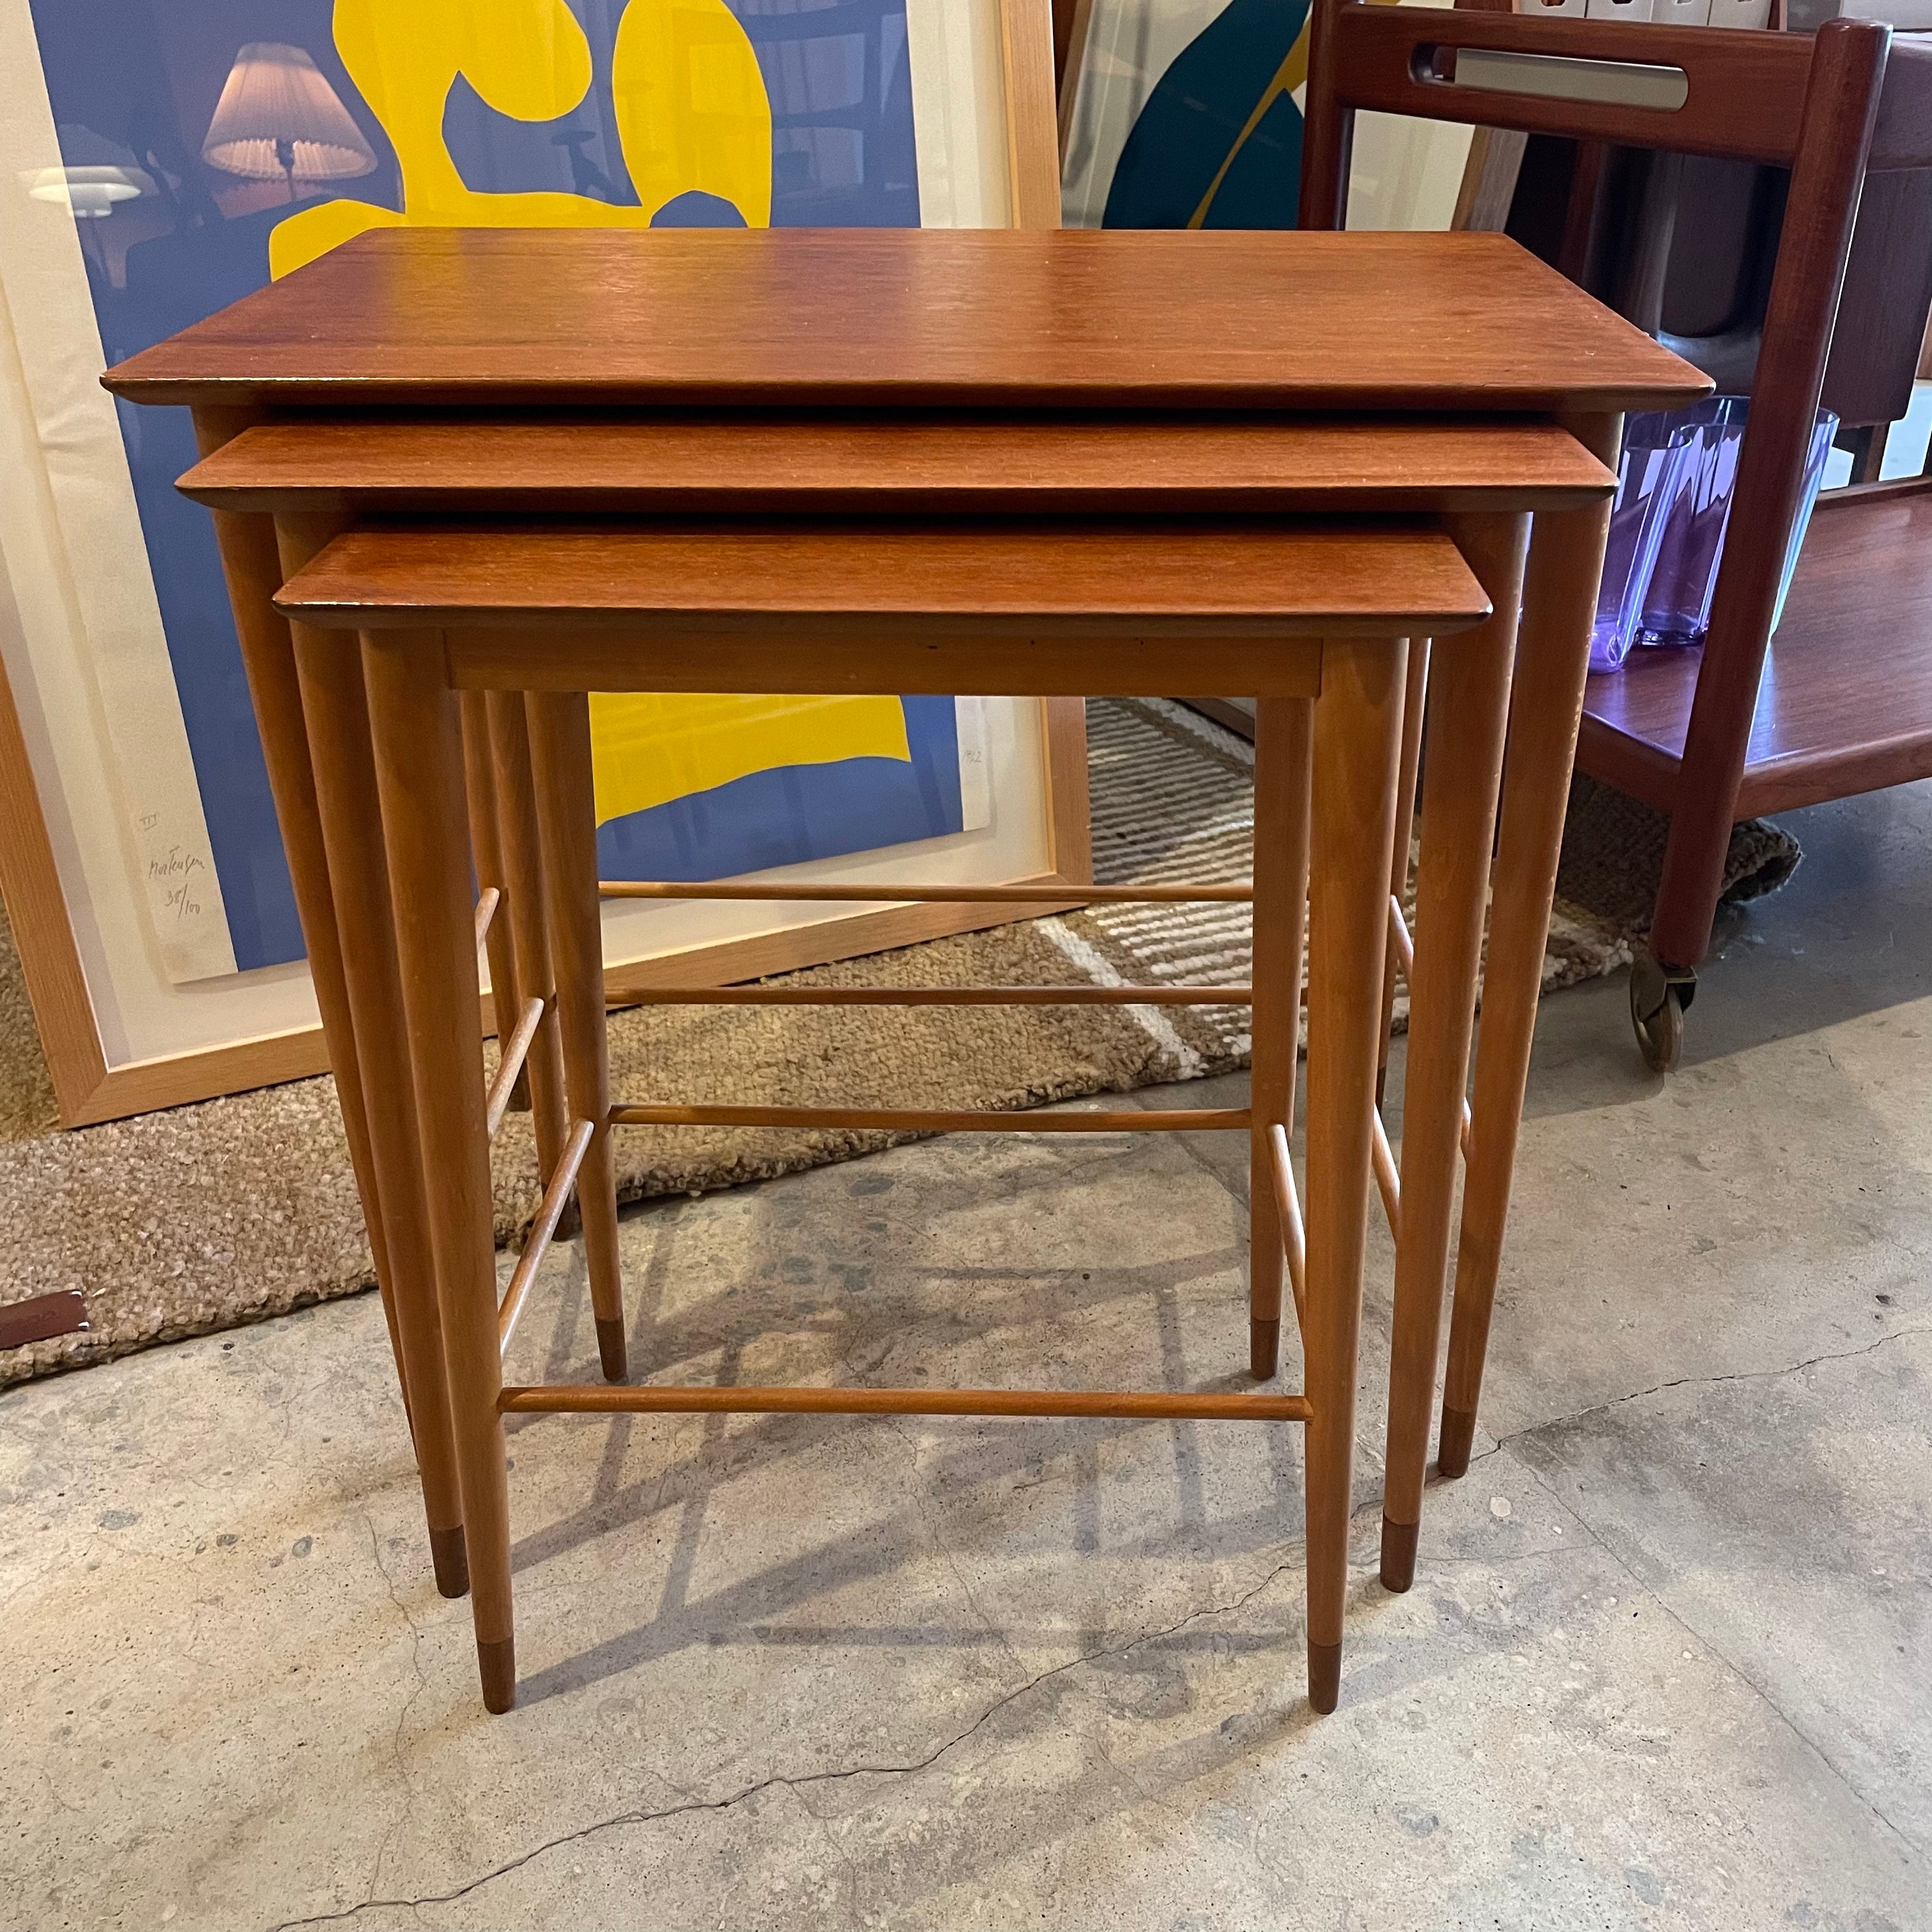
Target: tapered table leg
(330,668)
(252,564)
(560,729)
(413,723)
(1469,708)
(1566,561)
(1284,729)
(1357,726)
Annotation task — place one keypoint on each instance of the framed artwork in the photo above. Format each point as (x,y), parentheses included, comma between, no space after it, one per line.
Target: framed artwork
(158,162)
(1187,114)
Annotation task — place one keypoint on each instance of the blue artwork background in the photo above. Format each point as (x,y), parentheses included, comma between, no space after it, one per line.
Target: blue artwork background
(797,812)
(127,88)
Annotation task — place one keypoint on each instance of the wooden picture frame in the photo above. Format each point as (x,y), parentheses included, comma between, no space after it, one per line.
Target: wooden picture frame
(92,1084)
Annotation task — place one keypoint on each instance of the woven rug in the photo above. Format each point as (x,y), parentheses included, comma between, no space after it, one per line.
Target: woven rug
(208,1217)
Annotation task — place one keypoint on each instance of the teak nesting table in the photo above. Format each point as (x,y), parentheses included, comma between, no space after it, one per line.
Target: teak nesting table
(523,466)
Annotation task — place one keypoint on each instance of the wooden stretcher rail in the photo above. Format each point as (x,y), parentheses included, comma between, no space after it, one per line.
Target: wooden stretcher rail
(542,1229)
(487,903)
(1405,947)
(884,894)
(516,1050)
(590,1399)
(1388,1182)
(939,996)
(935,1120)
(1293,1238)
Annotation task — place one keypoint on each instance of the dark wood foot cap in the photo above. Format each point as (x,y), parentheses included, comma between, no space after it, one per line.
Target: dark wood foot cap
(451,1556)
(497,1662)
(1264,1349)
(610,1350)
(1399,1554)
(1452,1446)
(1325,1676)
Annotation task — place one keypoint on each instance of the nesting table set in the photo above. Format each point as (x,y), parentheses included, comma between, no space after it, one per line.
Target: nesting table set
(463,478)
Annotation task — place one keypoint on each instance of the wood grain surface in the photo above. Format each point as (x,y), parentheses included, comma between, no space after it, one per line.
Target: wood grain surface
(1196,578)
(932,316)
(949,464)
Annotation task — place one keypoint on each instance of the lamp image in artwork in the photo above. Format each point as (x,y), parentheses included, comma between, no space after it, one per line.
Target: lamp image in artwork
(278,119)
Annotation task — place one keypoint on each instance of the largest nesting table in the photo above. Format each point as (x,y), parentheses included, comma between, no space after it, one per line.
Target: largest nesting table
(974,377)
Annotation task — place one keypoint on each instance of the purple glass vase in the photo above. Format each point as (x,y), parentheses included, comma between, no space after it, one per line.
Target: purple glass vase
(1676,605)
(1647,468)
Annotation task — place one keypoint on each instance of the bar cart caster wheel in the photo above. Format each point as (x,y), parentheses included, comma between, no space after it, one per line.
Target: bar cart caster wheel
(1660,995)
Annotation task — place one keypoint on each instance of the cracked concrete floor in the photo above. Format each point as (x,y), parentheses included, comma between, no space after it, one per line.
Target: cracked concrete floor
(1664,1666)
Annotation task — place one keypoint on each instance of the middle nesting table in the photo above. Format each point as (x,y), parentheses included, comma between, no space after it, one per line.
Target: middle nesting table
(318,478)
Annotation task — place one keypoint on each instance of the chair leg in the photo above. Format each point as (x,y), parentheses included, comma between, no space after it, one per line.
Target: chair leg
(1358,728)
(1415,702)
(523,868)
(506,993)
(413,721)
(559,732)
(1469,708)
(1283,769)
(1566,558)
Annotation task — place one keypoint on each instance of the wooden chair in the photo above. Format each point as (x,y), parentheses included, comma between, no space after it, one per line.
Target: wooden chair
(1312,618)
(1704,735)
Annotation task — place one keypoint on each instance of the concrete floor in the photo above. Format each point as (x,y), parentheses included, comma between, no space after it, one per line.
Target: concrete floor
(1665,1665)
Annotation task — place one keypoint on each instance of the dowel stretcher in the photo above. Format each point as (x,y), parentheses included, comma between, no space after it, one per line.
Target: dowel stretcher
(591,1398)
(887,894)
(938,996)
(1405,950)
(516,1049)
(935,1120)
(542,1229)
(1294,1239)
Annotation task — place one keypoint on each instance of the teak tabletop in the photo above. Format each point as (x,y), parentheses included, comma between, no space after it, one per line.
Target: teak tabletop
(918,317)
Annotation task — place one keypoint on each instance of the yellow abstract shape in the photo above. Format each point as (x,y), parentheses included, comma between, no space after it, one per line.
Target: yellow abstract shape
(692,113)
(646,749)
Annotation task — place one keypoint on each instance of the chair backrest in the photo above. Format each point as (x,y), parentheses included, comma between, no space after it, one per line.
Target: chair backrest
(1808,103)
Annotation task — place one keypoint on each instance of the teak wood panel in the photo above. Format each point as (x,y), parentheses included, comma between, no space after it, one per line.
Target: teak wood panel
(907,317)
(822,580)
(943,465)
(1745,89)
(833,663)
(1845,704)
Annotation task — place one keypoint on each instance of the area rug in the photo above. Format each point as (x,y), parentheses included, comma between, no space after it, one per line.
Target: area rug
(208,1217)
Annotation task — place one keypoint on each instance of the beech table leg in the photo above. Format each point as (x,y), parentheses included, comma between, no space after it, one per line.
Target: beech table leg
(1283,767)
(1566,561)
(1357,726)
(413,721)
(1415,702)
(522,866)
(252,567)
(334,704)
(507,994)
(1469,708)
(559,730)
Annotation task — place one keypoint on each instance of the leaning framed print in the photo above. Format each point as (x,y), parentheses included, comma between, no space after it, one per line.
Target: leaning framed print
(1187,114)
(157,163)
